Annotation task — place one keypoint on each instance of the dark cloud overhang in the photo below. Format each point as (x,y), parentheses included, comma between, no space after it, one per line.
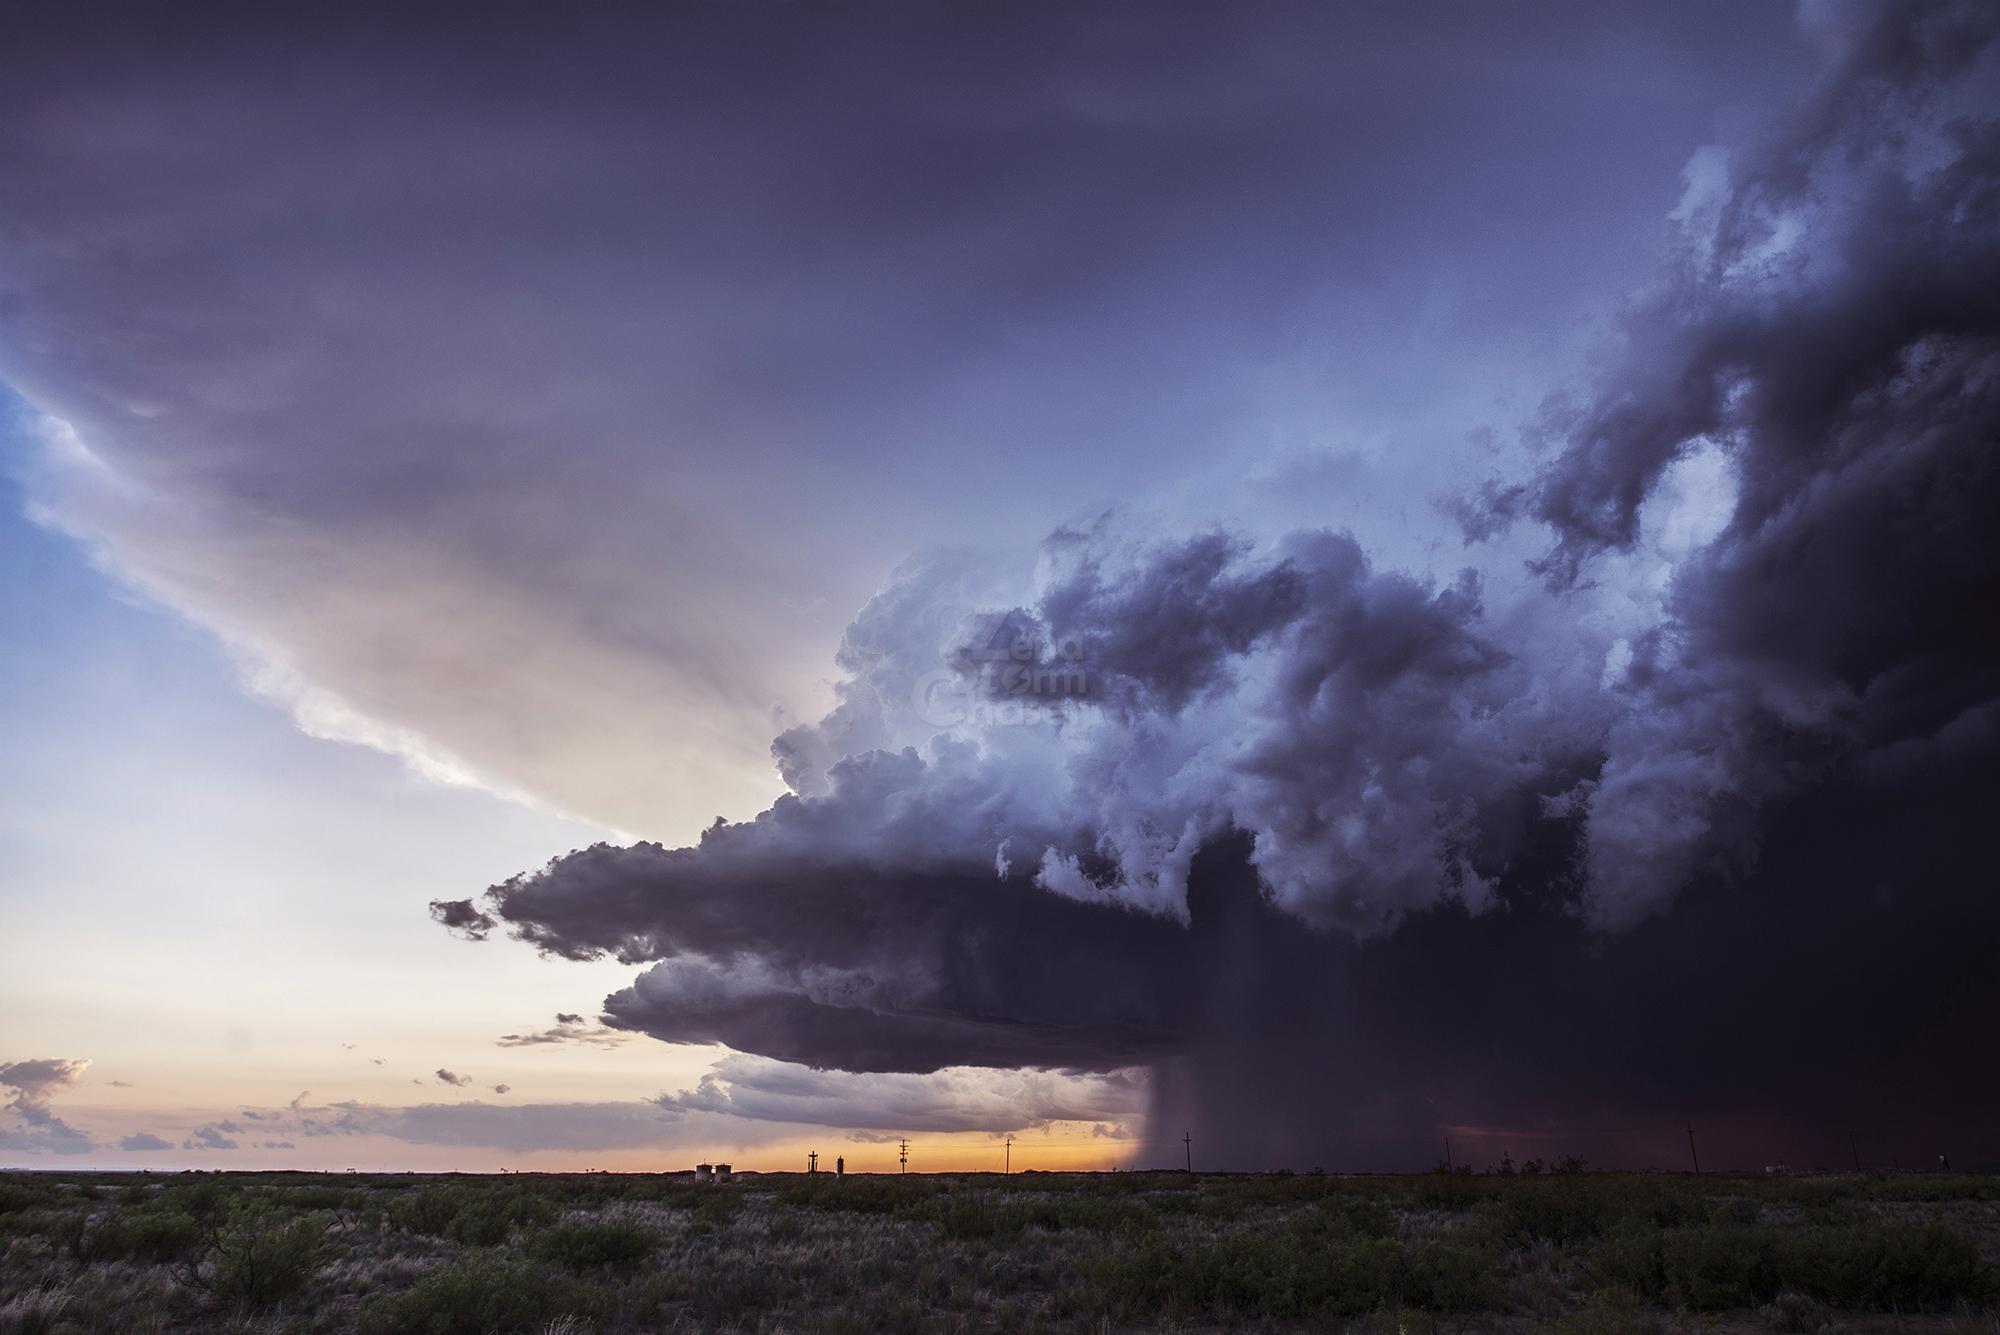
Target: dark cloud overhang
(1005,973)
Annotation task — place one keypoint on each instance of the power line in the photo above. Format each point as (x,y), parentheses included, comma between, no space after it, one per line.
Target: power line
(903,1154)
(1010,1154)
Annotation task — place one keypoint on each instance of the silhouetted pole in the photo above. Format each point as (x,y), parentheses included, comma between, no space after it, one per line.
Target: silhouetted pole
(1187,1144)
(903,1154)
(1009,1161)
(1692,1152)
(1447,1153)
(812,1161)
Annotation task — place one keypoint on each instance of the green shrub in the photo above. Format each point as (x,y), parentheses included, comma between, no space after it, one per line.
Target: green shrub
(17,1196)
(863,1196)
(591,1244)
(196,1196)
(1865,1265)
(489,1218)
(482,1216)
(315,1198)
(1286,1275)
(1554,1211)
(261,1262)
(427,1211)
(151,1237)
(715,1208)
(972,1216)
(479,1299)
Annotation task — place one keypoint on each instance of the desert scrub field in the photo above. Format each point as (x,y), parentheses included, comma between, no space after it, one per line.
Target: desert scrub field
(1579,1252)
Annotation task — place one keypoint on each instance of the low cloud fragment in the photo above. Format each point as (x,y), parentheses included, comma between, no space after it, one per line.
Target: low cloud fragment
(209,1137)
(569,1028)
(35,1083)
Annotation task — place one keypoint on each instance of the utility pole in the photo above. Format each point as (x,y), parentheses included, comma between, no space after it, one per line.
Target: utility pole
(1692,1152)
(812,1161)
(903,1153)
(1010,1155)
(1187,1144)
(1447,1154)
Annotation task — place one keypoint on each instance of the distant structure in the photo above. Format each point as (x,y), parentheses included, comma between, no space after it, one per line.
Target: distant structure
(812,1162)
(722,1172)
(903,1156)
(840,1165)
(704,1172)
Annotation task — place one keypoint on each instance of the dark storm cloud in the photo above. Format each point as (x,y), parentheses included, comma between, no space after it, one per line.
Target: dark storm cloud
(1829,326)
(1691,829)
(452,1078)
(144,1142)
(882,926)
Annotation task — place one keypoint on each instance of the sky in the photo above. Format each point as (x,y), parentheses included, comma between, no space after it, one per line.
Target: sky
(712,582)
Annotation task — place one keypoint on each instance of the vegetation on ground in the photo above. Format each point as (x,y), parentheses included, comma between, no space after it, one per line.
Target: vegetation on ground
(1572,1251)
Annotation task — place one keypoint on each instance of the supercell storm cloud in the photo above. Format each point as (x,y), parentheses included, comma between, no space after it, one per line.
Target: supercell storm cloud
(1228,803)
(1389,571)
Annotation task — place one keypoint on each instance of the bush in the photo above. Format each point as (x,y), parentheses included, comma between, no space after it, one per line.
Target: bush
(151,1237)
(483,1216)
(860,1197)
(17,1196)
(591,1244)
(1865,1265)
(966,1217)
(427,1211)
(490,1218)
(260,1263)
(1559,1212)
(1286,1275)
(479,1299)
(715,1208)
(196,1196)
